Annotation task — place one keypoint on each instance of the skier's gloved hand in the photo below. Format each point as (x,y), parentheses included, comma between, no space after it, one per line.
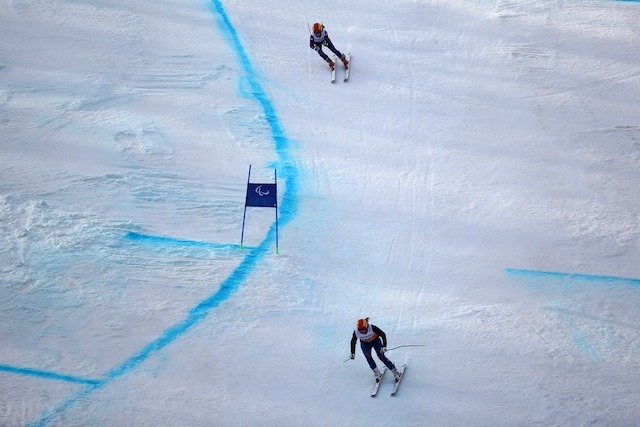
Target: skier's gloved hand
(325,42)
(384,350)
(316,47)
(353,356)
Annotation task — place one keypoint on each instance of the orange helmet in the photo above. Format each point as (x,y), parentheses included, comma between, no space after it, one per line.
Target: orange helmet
(362,325)
(317,28)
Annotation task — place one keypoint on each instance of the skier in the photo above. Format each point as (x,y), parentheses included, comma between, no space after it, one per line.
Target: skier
(372,337)
(319,37)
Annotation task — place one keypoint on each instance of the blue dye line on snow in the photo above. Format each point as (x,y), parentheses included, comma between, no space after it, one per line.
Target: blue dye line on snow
(288,207)
(573,276)
(578,337)
(159,240)
(256,88)
(47,375)
(584,345)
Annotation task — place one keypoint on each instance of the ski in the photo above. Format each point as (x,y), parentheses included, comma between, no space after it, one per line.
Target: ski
(333,69)
(395,387)
(374,391)
(348,67)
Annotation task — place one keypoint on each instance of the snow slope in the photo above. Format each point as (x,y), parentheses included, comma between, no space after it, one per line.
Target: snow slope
(472,188)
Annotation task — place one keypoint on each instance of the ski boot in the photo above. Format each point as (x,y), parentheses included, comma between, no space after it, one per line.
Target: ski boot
(331,64)
(377,374)
(344,61)
(396,374)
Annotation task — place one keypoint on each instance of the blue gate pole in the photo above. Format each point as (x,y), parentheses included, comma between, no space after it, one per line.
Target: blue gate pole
(244,216)
(275,171)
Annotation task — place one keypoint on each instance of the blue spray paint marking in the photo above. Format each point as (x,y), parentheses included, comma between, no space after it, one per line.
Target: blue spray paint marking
(47,375)
(596,279)
(286,169)
(566,280)
(288,207)
(168,241)
(583,344)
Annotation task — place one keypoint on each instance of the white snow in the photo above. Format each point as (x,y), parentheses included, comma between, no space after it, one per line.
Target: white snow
(473,188)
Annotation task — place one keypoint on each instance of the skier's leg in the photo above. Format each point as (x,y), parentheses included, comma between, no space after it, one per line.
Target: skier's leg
(366,350)
(324,55)
(333,49)
(377,344)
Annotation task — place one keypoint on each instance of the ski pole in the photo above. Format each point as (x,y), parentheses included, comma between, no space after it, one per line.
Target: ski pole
(408,345)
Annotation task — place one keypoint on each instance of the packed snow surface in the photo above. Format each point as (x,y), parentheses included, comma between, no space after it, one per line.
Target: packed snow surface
(473,189)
